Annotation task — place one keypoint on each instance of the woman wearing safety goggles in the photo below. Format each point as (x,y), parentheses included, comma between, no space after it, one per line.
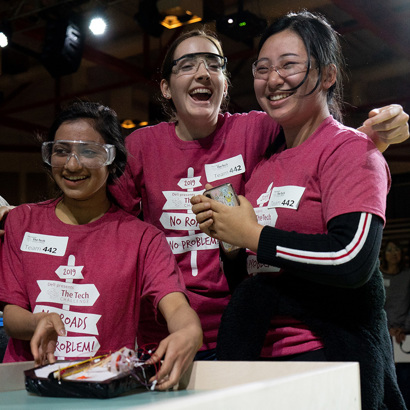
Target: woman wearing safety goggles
(75,268)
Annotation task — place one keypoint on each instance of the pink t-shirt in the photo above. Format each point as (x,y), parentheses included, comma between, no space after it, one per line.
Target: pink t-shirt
(337,170)
(164,173)
(94,276)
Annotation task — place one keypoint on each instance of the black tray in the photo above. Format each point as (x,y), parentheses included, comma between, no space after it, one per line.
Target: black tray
(89,389)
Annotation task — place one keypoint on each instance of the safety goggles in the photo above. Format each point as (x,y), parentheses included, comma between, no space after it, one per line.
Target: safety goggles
(189,63)
(88,154)
(262,68)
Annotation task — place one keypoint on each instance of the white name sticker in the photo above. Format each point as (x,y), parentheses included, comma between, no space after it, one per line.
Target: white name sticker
(286,197)
(45,244)
(224,169)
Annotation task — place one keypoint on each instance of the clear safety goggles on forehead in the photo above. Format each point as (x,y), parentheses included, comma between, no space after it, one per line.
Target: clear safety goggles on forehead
(88,154)
(189,63)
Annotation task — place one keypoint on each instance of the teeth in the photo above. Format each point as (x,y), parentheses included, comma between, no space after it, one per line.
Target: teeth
(277,97)
(201,91)
(74,178)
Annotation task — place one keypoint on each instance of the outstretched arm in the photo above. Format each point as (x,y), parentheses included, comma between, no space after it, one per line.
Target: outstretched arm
(181,345)
(387,125)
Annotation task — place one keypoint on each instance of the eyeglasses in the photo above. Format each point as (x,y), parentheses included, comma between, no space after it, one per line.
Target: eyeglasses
(88,154)
(262,68)
(189,63)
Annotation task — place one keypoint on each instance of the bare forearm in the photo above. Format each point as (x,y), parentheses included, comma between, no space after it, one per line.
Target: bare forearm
(20,323)
(251,240)
(184,318)
(180,316)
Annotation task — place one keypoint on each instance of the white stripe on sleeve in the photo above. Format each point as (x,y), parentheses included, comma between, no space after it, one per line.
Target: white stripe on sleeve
(331,258)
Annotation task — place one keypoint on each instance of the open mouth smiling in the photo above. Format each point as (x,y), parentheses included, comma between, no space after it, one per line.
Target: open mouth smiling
(75,178)
(277,97)
(201,94)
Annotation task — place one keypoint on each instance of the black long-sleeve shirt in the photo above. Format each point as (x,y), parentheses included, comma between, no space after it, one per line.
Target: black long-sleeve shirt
(342,257)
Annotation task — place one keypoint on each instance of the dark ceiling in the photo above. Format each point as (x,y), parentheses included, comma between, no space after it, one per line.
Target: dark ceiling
(120,69)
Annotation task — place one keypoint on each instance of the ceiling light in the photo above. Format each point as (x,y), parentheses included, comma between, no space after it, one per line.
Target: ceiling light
(128,124)
(154,15)
(97,26)
(176,13)
(177,17)
(5,33)
(3,40)
(98,21)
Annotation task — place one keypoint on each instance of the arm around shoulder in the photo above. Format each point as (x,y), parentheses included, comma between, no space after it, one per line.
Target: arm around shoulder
(387,125)
(4,210)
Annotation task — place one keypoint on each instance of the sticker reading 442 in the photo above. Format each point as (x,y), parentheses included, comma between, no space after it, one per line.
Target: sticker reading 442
(45,244)
(224,169)
(286,197)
